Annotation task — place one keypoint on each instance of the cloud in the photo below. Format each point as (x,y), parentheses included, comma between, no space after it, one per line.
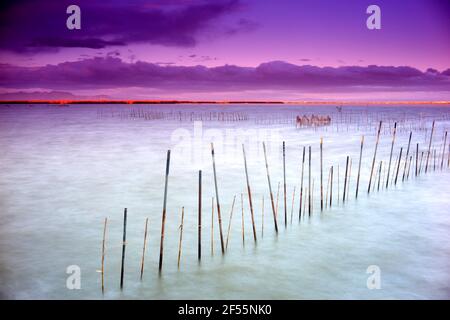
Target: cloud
(30,26)
(111,72)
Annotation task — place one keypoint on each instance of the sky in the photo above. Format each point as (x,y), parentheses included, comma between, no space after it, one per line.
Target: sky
(227,49)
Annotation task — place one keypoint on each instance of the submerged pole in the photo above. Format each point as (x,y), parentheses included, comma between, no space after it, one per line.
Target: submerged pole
(284,184)
(229,222)
(181,237)
(443,150)
(345,180)
(321,173)
(407,156)
(398,165)
(309,183)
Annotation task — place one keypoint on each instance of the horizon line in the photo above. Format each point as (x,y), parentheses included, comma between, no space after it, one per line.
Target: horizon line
(301,102)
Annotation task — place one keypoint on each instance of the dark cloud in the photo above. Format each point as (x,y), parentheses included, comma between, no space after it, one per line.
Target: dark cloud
(41,25)
(112,72)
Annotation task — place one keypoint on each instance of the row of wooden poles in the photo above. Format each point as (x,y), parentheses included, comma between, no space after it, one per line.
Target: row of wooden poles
(306,193)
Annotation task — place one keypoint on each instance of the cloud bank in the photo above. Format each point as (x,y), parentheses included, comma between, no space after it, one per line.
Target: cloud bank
(112,72)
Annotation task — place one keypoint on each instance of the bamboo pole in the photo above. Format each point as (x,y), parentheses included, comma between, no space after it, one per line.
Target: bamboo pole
(345,180)
(398,166)
(331,187)
(262,218)
(199,245)
(301,186)
(181,237)
(374,157)
(292,205)
(212,227)
(390,157)
(242,219)
(443,150)
(124,239)
(249,194)
(103,254)
(359,166)
(284,184)
(163,222)
(309,183)
(143,248)
(321,173)
(409,167)
(407,156)
(222,245)
(328,188)
(379,175)
(429,147)
(229,223)
(338,185)
(270,190)
(349,178)
(417,158)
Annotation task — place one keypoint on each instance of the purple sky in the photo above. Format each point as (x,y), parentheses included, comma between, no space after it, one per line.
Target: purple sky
(228,49)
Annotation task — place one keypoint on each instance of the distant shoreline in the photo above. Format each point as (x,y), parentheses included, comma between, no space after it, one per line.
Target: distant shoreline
(137,102)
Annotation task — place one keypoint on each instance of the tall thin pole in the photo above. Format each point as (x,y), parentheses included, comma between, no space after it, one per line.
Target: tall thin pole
(199,215)
(359,166)
(181,237)
(309,183)
(443,150)
(390,157)
(229,222)
(398,165)
(429,147)
(417,158)
(270,190)
(249,194)
(212,226)
(301,185)
(374,157)
(103,254)
(242,219)
(222,245)
(345,179)
(163,221)
(321,173)
(331,187)
(143,248)
(407,156)
(124,239)
(284,184)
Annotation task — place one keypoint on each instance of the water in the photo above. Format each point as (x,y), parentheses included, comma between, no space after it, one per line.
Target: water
(63,170)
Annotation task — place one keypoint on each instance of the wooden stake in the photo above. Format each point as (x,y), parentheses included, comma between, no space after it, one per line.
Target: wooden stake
(103,254)
(301,186)
(443,150)
(379,175)
(417,158)
(243,227)
(229,222)
(284,184)
(309,183)
(163,222)
(124,239)
(199,215)
(292,205)
(398,166)
(181,237)
(359,166)
(270,190)
(143,248)
(212,227)
(345,180)
(321,173)
(222,245)
(429,148)
(249,194)
(390,157)
(331,187)
(407,156)
(374,157)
